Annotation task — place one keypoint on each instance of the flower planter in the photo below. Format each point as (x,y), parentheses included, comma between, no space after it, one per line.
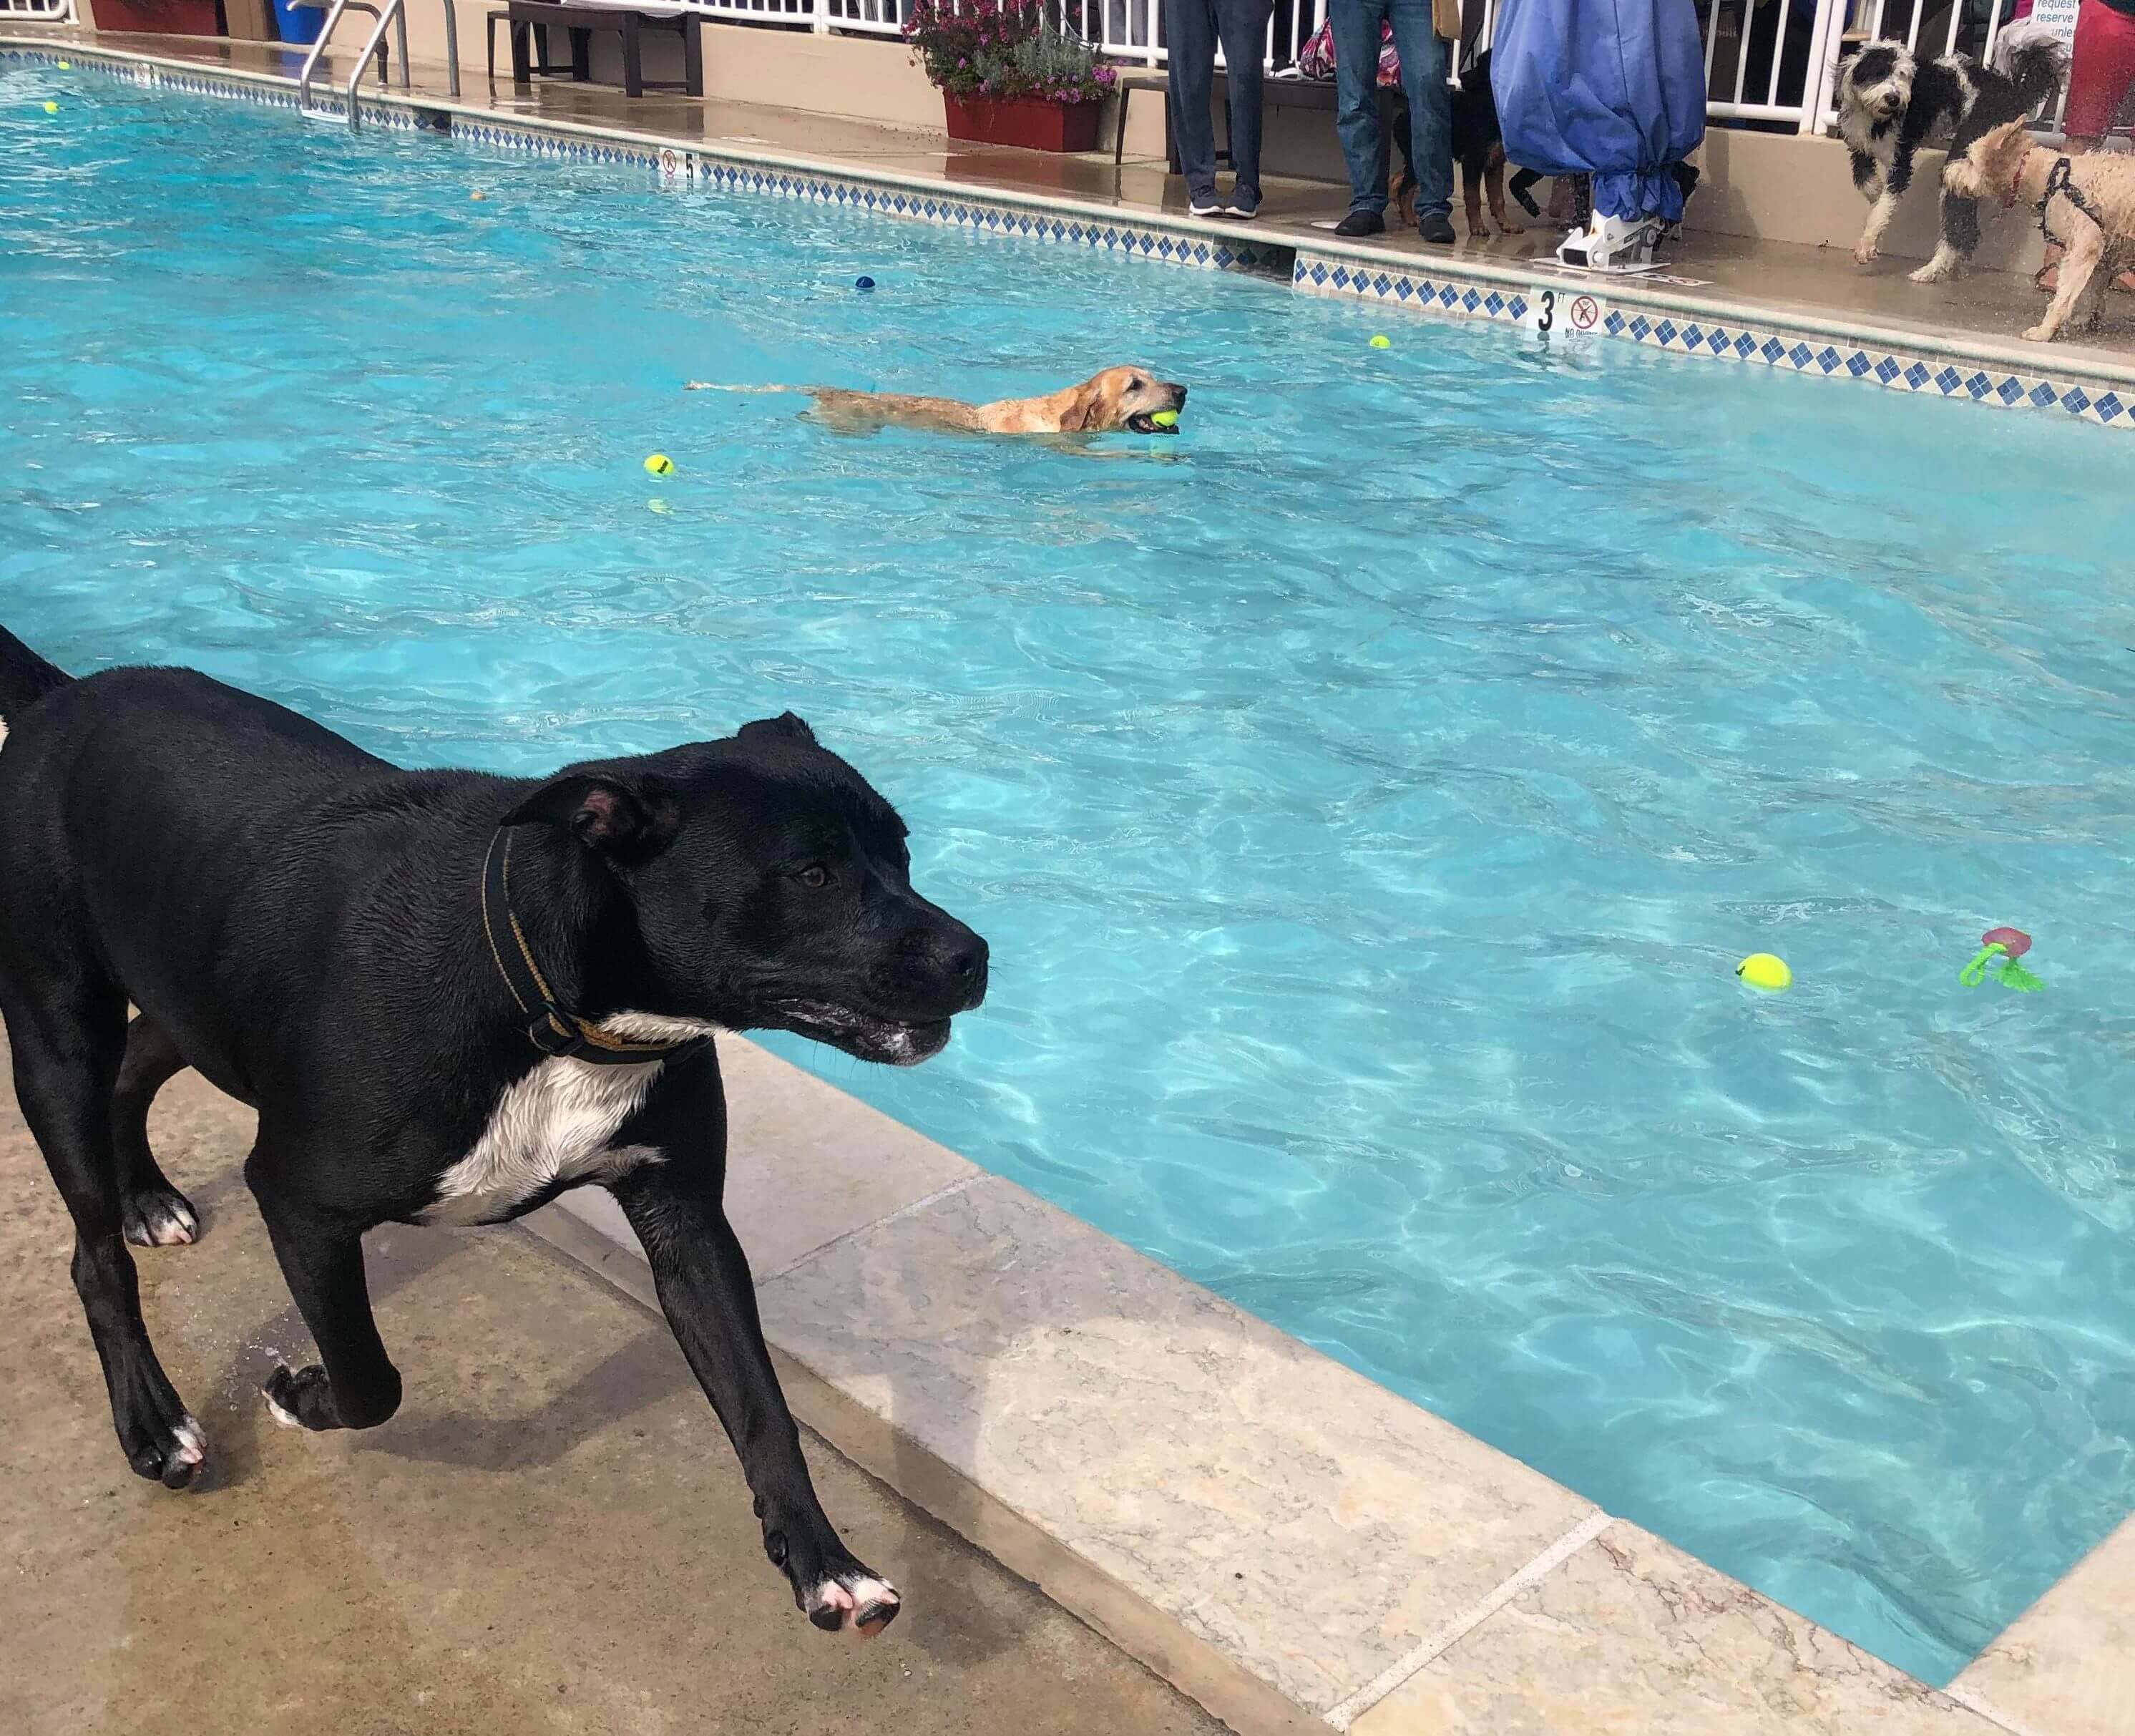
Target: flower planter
(1023,120)
(160,17)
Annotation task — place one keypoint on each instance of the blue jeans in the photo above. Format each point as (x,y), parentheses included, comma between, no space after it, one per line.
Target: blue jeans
(1357,110)
(1191,30)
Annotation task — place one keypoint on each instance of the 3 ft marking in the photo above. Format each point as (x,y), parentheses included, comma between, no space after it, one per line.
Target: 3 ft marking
(1557,312)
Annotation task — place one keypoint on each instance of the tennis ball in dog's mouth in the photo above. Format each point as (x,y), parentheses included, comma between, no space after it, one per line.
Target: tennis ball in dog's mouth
(1382,342)
(1166,418)
(659,464)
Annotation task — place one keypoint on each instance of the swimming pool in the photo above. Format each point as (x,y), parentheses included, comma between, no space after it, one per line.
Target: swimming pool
(1366,794)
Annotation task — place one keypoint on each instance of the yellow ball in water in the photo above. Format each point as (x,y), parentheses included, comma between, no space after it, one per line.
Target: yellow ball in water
(659,464)
(51,108)
(1382,342)
(1166,418)
(67,66)
(1761,970)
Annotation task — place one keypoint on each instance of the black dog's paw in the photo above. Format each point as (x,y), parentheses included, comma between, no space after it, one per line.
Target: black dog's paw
(157,1434)
(160,1217)
(831,1588)
(854,1598)
(302,1399)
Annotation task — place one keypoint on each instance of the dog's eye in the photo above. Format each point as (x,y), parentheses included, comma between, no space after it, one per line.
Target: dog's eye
(815,876)
(1135,385)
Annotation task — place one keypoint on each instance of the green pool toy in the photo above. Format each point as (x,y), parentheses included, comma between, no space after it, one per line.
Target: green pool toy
(1166,418)
(2008,945)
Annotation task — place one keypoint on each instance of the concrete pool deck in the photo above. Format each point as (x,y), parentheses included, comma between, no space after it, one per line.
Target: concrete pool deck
(1288,1543)
(554,1540)
(1280,1540)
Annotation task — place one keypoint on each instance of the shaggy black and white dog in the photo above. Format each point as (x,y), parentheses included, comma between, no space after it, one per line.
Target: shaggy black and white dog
(1890,101)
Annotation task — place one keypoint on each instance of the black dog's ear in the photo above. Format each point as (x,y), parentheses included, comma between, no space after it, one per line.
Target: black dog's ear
(620,818)
(784,727)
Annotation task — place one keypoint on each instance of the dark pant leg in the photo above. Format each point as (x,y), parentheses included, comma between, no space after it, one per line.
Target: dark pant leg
(1356,29)
(1189,37)
(1243,25)
(1430,104)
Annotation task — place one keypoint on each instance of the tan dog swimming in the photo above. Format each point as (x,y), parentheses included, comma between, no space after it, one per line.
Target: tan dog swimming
(1119,400)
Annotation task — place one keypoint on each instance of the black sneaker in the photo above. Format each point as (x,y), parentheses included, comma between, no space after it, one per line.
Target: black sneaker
(1361,223)
(1438,228)
(1204,205)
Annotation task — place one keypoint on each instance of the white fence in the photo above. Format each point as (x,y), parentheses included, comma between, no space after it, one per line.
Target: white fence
(1769,63)
(43,12)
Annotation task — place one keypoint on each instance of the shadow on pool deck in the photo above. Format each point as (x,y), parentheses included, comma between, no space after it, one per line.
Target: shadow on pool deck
(552,1536)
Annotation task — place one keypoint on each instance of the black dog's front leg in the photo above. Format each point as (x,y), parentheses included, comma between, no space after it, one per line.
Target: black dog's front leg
(705,1290)
(353,1383)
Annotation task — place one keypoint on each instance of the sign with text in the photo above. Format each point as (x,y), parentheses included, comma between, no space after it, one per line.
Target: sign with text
(1555,310)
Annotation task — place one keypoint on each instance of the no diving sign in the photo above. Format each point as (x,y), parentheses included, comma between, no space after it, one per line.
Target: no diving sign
(1553,311)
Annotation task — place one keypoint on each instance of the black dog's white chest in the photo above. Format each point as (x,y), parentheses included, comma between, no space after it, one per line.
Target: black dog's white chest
(552,1128)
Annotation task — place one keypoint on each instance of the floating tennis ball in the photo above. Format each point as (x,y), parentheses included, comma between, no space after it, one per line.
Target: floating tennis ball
(51,108)
(67,66)
(1382,342)
(659,464)
(1166,418)
(1761,970)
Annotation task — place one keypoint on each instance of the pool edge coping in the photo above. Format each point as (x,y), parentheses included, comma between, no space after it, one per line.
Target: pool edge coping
(1226,1684)
(850,1415)
(1998,374)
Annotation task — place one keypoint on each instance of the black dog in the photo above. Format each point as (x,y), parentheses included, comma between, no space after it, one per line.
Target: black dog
(450,996)
(1478,148)
(1890,101)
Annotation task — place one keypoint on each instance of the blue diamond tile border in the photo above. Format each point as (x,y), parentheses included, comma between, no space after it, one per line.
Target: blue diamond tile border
(1793,352)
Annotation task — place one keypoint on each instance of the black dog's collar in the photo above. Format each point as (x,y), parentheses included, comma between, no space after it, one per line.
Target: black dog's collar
(554,1029)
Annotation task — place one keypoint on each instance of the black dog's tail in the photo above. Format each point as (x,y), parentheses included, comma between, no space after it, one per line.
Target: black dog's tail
(2036,61)
(25,678)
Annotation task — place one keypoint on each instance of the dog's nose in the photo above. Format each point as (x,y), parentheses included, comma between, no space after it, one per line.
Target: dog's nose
(967,965)
(1179,397)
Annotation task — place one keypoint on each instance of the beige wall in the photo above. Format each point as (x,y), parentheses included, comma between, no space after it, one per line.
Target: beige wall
(1780,188)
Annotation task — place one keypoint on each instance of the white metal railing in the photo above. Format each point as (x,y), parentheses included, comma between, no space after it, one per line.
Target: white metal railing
(42,11)
(1767,60)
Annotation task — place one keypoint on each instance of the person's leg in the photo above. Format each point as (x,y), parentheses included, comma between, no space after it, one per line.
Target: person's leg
(1189,35)
(1356,30)
(1242,24)
(1430,113)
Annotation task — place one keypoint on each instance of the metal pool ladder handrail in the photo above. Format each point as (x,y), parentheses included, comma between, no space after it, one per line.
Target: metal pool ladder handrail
(393,12)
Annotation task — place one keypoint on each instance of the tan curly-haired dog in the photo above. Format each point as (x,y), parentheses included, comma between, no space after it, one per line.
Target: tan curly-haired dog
(2086,204)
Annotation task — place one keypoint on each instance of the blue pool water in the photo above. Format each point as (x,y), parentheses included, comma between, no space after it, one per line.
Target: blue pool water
(1366,794)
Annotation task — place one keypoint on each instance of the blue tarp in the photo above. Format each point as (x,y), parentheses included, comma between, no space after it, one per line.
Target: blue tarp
(1613,89)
